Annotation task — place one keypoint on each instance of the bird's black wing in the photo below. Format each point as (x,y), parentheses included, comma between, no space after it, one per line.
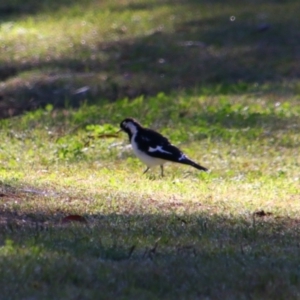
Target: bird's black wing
(156,145)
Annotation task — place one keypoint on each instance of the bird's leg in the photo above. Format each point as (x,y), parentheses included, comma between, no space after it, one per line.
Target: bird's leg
(162,170)
(146,170)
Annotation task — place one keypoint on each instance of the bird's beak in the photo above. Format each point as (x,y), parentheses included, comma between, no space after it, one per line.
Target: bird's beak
(120,130)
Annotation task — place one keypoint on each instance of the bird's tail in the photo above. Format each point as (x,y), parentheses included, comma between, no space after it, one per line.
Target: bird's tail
(189,162)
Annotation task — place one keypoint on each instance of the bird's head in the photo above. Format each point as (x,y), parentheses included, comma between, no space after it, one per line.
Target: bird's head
(130,126)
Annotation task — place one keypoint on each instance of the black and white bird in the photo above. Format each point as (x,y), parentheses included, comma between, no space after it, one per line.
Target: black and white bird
(152,148)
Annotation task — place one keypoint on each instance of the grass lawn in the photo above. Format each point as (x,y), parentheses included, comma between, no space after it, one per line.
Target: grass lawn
(78,220)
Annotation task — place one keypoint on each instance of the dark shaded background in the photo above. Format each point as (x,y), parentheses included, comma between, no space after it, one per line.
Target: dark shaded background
(216,55)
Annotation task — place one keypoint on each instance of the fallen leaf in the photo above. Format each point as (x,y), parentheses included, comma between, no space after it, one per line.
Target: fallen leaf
(73,218)
(262,213)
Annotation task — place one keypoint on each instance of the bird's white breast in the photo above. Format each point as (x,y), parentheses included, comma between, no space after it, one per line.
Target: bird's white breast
(144,157)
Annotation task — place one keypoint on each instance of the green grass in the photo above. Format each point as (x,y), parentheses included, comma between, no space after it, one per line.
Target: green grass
(231,103)
(229,234)
(117,49)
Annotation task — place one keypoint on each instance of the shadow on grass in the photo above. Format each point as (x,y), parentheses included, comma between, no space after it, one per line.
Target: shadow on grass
(212,53)
(165,255)
(12,10)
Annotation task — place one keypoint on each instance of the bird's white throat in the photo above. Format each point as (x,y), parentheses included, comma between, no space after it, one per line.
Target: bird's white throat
(132,127)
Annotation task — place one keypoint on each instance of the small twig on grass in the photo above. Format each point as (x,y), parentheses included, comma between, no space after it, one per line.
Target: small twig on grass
(131,250)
